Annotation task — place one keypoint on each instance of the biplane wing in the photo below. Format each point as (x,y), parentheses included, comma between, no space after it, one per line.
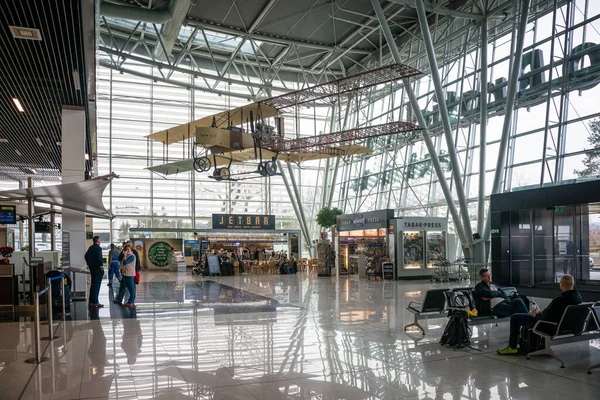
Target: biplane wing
(341,151)
(247,155)
(234,117)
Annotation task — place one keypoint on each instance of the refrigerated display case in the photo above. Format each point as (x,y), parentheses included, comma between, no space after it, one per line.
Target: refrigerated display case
(436,247)
(414,249)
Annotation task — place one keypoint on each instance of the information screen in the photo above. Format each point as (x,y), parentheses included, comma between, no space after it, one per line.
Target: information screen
(8,215)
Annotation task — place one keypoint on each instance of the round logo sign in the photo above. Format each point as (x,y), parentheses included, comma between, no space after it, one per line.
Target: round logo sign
(158,254)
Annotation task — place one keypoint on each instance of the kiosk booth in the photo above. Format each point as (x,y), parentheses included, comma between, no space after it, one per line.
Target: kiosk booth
(362,243)
(418,242)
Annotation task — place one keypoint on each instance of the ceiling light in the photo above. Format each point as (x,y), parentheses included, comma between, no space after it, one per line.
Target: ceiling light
(51,163)
(2,140)
(18,152)
(76,80)
(18,104)
(59,143)
(33,170)
(39,141)
(87,156)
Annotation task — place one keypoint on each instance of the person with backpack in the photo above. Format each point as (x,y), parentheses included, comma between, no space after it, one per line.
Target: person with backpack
(93,258)
(491,299)
(553,313)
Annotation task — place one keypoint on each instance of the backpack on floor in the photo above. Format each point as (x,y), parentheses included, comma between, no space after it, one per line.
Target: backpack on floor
(529,341)
(457,333)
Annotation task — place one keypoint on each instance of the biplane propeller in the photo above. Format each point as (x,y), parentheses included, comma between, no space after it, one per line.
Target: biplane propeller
(244,134)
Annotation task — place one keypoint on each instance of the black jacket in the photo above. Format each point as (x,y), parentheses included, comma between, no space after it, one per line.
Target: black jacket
(555,310)
(483,290)
(93,257)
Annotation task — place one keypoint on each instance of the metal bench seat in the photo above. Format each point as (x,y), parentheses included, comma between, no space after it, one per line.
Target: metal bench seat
(572,327)
(434,305)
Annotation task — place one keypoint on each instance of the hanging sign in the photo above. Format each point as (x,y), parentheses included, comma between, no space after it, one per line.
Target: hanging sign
(243,221)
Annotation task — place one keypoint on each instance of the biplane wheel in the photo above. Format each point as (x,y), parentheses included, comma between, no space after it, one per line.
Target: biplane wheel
(261,169)
(223,173)
(202,164)
(270,168)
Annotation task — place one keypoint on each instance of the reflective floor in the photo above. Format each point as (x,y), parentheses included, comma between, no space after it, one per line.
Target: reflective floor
(277,337)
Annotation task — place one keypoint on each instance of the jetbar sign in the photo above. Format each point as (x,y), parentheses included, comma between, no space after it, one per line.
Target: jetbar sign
(243,221)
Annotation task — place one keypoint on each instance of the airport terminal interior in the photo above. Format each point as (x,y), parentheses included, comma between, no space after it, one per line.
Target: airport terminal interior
(277,199)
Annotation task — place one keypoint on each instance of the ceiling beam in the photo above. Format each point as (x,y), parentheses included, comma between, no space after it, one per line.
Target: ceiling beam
(267,38)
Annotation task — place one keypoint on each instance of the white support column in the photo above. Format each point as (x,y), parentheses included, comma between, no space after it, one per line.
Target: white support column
(416,109)
(73,170)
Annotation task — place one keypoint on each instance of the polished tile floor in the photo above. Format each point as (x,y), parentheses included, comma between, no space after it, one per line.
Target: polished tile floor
(277,337)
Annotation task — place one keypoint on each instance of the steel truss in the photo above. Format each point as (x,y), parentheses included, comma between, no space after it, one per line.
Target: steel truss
(329,92)
(409,131)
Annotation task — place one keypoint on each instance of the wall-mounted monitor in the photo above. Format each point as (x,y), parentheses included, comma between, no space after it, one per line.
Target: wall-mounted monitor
(8,215)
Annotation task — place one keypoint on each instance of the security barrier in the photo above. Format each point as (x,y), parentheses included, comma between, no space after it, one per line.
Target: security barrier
(37,351)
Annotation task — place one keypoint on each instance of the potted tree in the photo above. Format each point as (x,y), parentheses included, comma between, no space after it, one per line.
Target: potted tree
(327,219)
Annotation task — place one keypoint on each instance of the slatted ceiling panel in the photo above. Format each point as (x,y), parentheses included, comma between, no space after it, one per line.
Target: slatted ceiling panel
(40,74)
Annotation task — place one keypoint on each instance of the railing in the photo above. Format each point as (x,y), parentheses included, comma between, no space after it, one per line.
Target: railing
(37,351)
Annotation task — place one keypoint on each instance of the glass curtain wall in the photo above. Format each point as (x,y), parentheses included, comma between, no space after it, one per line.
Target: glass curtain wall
(130,108)
(549,136)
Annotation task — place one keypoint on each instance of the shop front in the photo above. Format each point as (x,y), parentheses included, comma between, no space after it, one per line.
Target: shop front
(361,243)
(419,242)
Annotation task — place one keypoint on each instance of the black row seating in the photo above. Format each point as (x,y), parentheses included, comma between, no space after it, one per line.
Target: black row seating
(595,319)
(573,327)
(433,306)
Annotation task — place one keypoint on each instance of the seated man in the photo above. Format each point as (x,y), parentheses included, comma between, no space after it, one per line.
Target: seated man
(552,313)
(490,299)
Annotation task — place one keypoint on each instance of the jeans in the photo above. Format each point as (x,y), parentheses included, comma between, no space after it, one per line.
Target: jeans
(518,321)
(97,275)
(128,281)
(509,307)
(126,284)
(114,270)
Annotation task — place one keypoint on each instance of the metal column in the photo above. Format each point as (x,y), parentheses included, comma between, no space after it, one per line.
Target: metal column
(296,210)
(419,115)
(483,104)
(509,108)
(298,200)
(337,161)
(445,118)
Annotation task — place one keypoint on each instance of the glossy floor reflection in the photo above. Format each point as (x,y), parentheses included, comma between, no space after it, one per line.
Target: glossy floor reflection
(278,337)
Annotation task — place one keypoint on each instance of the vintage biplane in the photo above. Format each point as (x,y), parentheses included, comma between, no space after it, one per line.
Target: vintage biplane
(255,132)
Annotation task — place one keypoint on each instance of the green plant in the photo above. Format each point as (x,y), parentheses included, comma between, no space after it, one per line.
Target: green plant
(326,218)
(591,162)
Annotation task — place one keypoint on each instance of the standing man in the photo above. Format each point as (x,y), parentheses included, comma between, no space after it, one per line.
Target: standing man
(93,258)
(114,270)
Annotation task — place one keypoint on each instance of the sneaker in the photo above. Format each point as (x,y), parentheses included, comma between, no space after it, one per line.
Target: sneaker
(507,351)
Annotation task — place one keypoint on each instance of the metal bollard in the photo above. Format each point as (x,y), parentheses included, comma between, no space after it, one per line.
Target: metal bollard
(49,310)
(64,314)
(37,351)
(64,309)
